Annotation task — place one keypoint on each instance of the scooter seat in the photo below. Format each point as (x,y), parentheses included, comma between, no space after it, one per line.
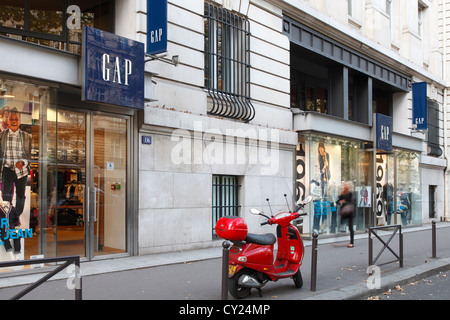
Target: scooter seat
(262,239)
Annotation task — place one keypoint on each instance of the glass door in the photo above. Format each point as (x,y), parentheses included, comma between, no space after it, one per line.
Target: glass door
(107,186)
(68,215)
(91,180)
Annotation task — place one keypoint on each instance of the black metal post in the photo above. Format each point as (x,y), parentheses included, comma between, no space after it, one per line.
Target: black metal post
(400,247)
(78,284)
(225,263)
(433,239)
(67,262)
(314,262)
(399,257)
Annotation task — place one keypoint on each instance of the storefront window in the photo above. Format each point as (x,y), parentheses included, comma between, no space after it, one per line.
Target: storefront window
(330,162)
(24,159)
(63,185)
(398,173)
(53,23)
(409,201)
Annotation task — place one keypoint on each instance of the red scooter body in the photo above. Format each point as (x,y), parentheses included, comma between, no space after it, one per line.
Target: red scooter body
(261,257)
(251,259)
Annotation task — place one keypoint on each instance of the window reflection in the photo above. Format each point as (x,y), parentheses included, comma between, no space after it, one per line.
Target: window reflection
(51,23)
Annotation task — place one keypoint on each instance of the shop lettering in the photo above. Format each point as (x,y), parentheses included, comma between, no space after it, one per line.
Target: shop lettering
(115,69)
(420,120)
(156,35)
(380,181)
(13,233)
(384,133)
(300,189)
(18,234)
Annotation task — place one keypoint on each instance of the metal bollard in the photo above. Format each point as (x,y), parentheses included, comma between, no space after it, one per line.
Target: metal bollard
(78,281)
(433,239)
(225,261)
(314,262)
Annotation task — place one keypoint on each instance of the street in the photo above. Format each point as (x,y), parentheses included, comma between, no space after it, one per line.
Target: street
(341,274)
(435,287)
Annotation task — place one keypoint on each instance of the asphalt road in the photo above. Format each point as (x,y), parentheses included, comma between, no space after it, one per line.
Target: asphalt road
(338,267)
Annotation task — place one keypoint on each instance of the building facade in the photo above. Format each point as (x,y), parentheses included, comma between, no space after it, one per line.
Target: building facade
(252,104)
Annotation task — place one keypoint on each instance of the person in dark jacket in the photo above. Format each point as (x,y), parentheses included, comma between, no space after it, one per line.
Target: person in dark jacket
(345,199)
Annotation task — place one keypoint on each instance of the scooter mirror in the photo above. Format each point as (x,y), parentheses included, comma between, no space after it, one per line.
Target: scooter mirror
(308,199)
(255,211)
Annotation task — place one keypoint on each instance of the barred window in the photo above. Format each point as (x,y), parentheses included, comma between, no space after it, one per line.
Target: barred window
(225,199)
(434,148)
(227,63)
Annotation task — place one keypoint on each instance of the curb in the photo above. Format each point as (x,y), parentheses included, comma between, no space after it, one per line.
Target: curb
(360,291)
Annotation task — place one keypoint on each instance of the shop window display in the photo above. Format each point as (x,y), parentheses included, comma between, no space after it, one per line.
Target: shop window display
(404,182)
(43,168)
(324,164)
(20,106)
(43,206)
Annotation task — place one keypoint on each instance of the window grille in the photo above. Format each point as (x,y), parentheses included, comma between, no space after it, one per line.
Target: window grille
(433,136)
(227,63)
(225,198)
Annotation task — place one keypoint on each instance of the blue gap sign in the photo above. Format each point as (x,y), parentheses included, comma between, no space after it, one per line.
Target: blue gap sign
(156,26)
(113,69)
(420,111)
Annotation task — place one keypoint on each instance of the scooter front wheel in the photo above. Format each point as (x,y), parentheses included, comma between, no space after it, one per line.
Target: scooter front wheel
(236,290)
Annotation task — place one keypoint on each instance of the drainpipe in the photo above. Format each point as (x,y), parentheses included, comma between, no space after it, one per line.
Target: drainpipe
(444,76)
(446,170)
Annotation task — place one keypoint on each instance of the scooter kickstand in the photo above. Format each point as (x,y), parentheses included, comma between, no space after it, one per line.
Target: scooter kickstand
(260,292)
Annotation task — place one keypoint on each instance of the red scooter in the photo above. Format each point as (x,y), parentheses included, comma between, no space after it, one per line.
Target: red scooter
(251,262)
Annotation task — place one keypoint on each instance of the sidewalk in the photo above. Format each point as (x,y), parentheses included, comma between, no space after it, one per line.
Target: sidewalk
(196,275)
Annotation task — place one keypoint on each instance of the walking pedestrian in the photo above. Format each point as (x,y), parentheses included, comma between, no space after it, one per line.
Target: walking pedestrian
(347,209)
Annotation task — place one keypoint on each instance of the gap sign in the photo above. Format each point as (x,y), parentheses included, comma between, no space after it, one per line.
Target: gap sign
(383,132)
(156,26)
(113,69)
(420,110)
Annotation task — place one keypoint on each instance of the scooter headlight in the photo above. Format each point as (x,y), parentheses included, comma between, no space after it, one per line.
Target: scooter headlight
(242,259)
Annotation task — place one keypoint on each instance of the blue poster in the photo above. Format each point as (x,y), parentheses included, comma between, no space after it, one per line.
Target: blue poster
(113,69)
(420,110)
(156,26)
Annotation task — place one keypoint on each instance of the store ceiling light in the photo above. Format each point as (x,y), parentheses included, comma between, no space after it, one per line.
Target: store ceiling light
(4,92)
(5,95)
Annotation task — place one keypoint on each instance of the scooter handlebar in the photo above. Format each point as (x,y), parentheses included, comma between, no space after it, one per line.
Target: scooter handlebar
(273,220)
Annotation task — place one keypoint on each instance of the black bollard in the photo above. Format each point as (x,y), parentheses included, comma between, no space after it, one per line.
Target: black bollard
(225,262)
(433,239)
(314,262)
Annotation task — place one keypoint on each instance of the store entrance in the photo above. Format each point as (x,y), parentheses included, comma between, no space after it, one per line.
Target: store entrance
(90,212)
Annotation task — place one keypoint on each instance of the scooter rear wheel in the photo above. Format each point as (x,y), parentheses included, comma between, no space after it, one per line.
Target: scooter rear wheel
(236,290)
(298,279)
